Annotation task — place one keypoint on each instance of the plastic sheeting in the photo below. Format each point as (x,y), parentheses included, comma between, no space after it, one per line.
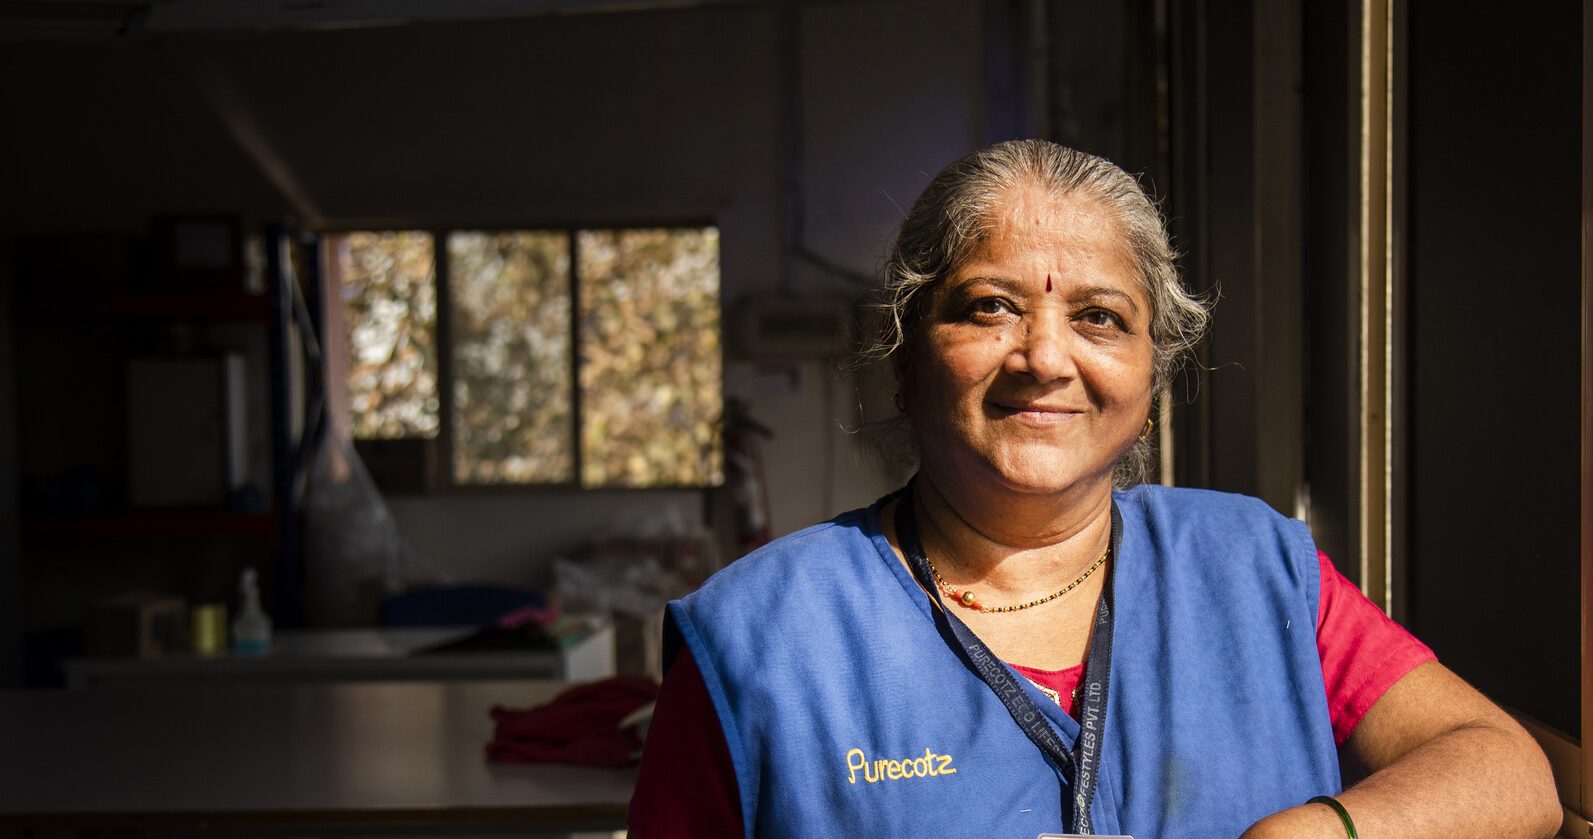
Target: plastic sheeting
(354,555)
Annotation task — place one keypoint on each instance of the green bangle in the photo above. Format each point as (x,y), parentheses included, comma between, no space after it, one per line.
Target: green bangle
(1344,815)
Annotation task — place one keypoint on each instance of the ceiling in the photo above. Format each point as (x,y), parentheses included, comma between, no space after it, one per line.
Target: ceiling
(48,20)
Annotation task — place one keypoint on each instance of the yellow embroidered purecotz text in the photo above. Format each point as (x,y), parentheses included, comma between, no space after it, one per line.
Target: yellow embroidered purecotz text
(931,765)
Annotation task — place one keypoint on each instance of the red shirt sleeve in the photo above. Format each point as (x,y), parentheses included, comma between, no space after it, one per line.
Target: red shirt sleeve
(686,786)
(1363,651)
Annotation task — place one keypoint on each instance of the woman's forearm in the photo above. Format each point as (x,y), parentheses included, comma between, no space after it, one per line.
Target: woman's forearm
(1447,762)
(1477,781)
(1481,779)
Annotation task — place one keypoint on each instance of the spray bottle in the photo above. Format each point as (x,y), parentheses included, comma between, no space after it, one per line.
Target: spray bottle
(251,632)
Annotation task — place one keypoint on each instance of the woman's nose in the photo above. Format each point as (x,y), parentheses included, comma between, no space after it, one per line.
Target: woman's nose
(1045,350)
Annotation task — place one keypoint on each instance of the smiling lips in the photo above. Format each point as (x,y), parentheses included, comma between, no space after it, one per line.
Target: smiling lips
(1036,414)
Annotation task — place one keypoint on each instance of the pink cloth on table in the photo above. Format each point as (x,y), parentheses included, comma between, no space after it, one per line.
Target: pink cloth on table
(580,725)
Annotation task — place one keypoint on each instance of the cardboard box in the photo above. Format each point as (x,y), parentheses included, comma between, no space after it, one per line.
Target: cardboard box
(136,625)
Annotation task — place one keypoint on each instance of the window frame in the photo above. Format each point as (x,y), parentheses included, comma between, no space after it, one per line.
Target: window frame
(443,482)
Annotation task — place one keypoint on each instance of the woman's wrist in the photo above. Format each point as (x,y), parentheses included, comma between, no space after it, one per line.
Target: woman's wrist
(1307,821)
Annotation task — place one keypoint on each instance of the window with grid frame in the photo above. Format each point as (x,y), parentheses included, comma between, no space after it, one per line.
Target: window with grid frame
(582,357)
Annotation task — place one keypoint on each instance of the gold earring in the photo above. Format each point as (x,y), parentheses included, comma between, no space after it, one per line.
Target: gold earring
(1150,425)
(901,404)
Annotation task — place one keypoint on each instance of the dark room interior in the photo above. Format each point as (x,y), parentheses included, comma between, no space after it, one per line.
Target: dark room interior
(431,347)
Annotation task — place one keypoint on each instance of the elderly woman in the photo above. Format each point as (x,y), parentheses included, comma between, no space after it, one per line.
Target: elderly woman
(1016,645)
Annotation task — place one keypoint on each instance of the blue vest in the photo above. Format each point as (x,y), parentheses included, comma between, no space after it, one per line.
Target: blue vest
(847,714)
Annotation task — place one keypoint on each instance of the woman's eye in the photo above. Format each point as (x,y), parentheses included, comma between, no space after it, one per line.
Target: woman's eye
(1102,319)
(989,307)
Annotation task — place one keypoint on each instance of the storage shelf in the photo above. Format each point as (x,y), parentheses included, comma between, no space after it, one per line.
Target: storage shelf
(235,306)
(102,303)
(177,523)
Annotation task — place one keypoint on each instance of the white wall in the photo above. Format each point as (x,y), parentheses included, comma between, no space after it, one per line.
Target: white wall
(672,115)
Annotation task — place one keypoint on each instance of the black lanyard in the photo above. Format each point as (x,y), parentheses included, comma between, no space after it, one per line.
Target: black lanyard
(1081,766)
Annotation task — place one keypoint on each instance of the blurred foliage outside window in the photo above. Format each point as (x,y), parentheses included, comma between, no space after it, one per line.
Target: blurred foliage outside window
(648,364)
(651,390)
(509,299)
(389,286)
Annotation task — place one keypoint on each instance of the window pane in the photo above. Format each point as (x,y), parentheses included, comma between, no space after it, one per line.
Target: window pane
(650,360)
(509,294)
(390,313)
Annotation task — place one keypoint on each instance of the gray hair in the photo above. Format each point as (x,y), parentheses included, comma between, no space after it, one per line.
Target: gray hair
(948,223)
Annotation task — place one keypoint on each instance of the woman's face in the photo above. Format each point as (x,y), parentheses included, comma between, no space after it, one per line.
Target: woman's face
(1032,364)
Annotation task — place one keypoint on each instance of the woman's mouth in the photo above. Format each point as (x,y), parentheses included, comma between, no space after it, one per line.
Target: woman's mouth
(1034,413)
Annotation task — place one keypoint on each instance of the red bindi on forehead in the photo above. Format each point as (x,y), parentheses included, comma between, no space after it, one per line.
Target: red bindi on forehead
(1047,283)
